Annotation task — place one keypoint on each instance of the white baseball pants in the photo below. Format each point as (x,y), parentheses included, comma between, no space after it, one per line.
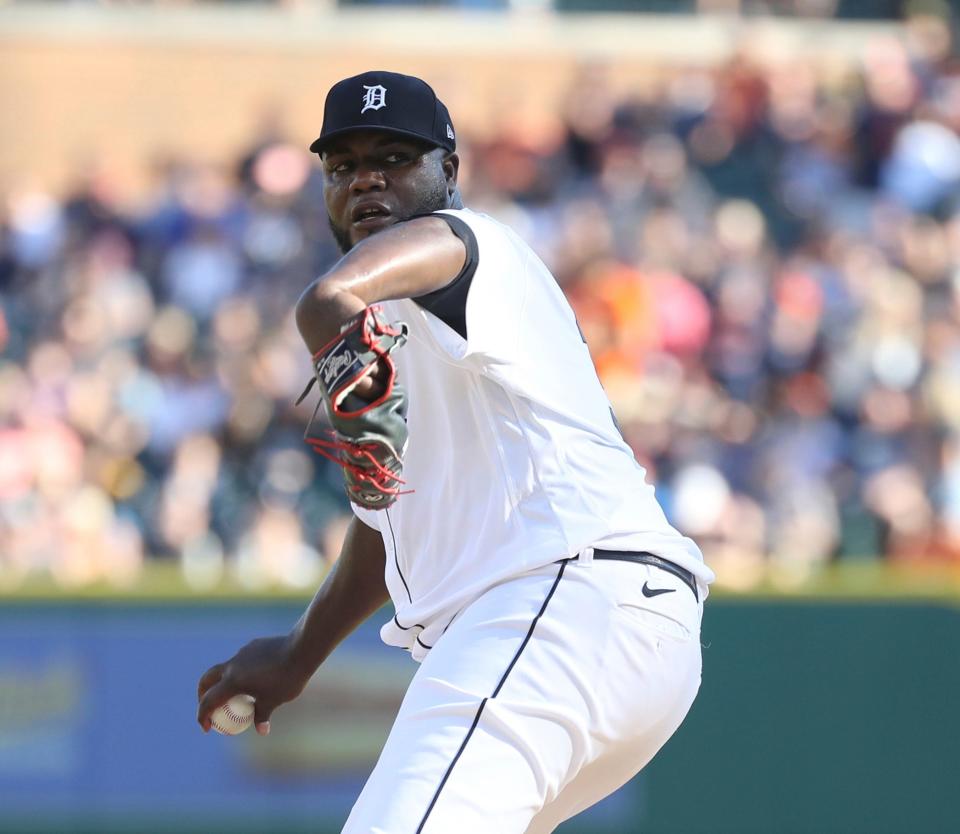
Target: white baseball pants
(545,695)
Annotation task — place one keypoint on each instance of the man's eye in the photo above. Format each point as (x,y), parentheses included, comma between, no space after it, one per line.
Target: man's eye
(396,157)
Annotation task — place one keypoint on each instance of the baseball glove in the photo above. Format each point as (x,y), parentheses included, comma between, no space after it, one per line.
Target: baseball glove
(368,438)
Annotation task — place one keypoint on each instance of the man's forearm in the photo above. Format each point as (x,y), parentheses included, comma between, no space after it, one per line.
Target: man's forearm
(405,261)
(352,591)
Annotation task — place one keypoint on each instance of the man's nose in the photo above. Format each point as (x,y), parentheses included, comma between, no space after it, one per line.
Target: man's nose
(368,178)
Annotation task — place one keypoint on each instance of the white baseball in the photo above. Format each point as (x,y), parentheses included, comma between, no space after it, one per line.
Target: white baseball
(234,716)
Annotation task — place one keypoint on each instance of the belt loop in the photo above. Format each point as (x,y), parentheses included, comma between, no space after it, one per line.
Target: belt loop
(586,556)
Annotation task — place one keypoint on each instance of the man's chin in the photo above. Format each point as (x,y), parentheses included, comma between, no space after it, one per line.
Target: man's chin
(368,228)
(348,238)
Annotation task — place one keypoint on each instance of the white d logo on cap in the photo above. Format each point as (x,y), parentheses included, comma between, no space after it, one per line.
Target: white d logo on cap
(374,98)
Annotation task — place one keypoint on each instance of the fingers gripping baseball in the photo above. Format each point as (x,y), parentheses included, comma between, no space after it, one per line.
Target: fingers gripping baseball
(264,670)
(209,678)
(261,717)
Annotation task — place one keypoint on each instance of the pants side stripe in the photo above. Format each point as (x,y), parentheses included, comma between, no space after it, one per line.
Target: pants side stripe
(436,796)
(483,703)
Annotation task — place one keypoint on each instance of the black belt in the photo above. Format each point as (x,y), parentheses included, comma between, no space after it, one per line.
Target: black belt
(644,558)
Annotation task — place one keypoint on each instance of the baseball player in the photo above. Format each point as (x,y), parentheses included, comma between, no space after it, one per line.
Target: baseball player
(553,609)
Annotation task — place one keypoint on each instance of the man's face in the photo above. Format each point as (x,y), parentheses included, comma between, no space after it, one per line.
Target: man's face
(373,179)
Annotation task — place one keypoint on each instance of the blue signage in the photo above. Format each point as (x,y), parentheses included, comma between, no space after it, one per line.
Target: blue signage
(98,729)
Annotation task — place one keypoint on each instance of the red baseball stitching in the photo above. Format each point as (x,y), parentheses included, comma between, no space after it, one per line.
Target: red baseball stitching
(239,720)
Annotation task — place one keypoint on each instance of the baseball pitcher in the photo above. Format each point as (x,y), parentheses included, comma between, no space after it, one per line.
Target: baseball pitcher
(554,611)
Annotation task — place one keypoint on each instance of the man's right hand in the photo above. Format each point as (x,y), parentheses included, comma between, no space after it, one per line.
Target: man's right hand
(266,669)
(274,670)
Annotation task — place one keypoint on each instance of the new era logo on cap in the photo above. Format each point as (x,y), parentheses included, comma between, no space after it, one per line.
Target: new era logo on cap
(386,101)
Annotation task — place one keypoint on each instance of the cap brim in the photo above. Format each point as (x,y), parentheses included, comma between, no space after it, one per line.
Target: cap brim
(321,142)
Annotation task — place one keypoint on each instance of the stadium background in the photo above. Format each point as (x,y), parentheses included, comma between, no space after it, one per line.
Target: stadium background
(754,208)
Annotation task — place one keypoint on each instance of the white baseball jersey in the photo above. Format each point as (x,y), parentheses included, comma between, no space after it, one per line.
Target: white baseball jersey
(514,458)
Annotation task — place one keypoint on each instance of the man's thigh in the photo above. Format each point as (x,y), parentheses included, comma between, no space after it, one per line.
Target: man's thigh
(521,694)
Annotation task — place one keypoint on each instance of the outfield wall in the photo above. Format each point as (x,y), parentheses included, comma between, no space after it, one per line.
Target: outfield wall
(117,88)
(818,717)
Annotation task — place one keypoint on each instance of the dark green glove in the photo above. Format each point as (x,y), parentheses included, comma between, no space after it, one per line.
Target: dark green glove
(368,438)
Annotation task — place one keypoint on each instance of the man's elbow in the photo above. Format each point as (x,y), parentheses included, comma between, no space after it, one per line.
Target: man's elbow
(322,310)
(312,307)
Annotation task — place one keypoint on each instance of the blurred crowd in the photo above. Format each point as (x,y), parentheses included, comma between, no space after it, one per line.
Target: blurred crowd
(763,256)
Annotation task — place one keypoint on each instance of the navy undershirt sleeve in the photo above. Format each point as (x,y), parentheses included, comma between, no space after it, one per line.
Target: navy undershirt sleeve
(449,303)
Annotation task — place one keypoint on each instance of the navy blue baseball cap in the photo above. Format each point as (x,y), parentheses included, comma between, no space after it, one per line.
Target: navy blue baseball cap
(386,101)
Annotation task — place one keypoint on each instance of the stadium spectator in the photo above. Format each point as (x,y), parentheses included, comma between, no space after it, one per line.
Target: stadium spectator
(765,260)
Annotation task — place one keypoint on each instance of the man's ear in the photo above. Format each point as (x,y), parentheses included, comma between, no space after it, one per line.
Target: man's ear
(451,167)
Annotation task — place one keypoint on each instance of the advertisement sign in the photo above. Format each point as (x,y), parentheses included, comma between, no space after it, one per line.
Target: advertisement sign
(98,728)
